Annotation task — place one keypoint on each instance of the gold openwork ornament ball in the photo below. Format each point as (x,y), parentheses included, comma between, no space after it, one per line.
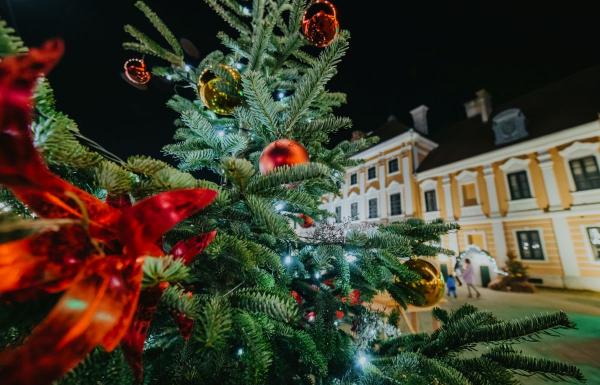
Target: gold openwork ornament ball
(221,94)
(430,286)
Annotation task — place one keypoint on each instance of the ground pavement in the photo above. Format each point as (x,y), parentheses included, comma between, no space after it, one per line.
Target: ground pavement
(580,347)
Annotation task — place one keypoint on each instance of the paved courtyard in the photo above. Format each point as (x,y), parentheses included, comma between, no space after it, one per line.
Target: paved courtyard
(580,347)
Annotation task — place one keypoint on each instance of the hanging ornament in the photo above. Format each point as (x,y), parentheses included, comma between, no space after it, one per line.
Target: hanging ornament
(431,285)
(136,71)
(97,262)
(220,95)
(307,221)
(297,297)
(339,314)
(320,24)
(282,152)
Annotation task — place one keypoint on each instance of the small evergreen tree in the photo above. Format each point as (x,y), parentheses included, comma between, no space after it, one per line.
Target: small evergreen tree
(515,278)
(267,305)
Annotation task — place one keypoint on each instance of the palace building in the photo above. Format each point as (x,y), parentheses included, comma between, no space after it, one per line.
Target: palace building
(522,178)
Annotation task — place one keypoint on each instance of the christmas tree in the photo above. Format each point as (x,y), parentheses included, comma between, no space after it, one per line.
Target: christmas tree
(515,277)
(122,271)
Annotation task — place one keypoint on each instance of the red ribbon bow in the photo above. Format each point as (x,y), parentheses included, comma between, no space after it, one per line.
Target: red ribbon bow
(98,263)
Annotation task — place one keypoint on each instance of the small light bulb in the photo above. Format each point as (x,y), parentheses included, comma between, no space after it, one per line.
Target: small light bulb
(239,66)
(280,95)
(240,351)
(288,260)
(169,77)
(362,360)
(221,133)
(246,11)
(280,206)
(317,275)
(350,258)
(187,68)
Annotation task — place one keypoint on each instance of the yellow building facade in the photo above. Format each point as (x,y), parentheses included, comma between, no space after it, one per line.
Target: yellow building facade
(523,178)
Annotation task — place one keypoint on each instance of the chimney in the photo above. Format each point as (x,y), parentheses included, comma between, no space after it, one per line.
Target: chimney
(419,116)
(482,105)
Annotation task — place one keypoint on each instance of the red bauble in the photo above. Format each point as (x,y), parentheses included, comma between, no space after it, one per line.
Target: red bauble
(308,222)
(136,71)
(297,297)
(282,152)
(339,314)
(320,24)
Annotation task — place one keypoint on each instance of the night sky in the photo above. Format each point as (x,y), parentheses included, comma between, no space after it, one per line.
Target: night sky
(403,54)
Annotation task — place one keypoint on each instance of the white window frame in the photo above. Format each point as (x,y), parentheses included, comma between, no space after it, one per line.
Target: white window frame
(588,242)
(429,185)
(387,166)
(542,240)
(350,203)
(467,177)
(395,188)
(367,172)
(516,165)
(579,150)
(350,179)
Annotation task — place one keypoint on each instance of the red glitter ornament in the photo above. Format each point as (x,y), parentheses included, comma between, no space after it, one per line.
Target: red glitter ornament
(307,221)
(97,262)
(297,297)
(282,152)
(320,24)
(136,71)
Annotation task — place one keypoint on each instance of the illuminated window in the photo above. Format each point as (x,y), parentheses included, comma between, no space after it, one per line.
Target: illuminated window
(354,210)
(430,201)
(353,179)
(373,208)
(371,173)
(519,185)
(585,173)
(395,204)
(594,235)
(469,195)
(530,245)
(393,165)
(476,240)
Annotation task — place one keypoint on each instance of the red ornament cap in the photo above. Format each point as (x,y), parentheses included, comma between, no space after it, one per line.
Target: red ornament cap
(282,152)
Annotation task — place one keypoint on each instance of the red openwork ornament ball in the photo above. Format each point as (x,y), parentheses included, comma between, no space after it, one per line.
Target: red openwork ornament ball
(307,221)
(282,152)
(136,71)
(320,24)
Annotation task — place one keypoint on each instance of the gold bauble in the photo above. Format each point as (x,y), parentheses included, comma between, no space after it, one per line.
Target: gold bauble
(220,95)
(430,286)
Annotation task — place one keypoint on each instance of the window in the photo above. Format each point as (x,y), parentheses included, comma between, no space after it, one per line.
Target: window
(353,179)
(393,165)
(395,204)
(430,201)
(519,185)
(594,235)
(469,195)
(476,240)
(354,210)
(338,214)
(585,173)
(530,245)
(373,208)
(371,173)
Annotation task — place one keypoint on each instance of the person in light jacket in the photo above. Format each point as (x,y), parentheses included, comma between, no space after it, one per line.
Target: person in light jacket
(468,277)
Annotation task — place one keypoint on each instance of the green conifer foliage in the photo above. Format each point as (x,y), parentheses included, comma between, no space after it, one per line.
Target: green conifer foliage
(270,305)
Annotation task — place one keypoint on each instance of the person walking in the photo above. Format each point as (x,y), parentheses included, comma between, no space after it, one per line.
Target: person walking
(467,275)
(451,286)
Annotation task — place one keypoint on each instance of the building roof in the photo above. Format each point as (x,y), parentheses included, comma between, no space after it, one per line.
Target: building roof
(567,103)
(390,129)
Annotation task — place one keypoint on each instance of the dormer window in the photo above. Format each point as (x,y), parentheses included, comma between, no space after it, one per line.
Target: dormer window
(509,126)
